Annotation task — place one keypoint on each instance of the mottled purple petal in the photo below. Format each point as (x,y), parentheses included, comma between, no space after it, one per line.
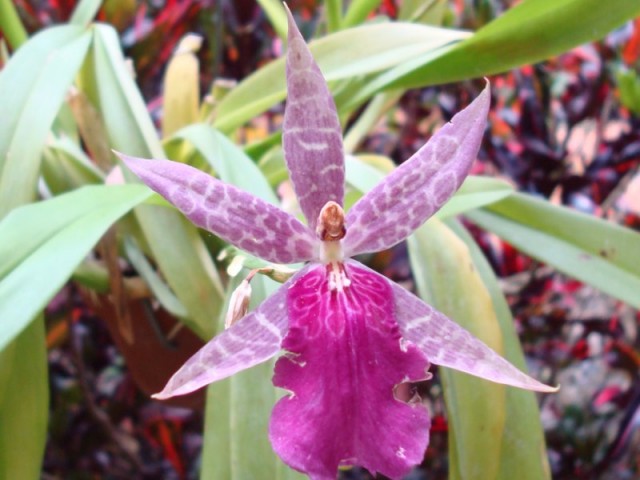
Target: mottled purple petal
(420,186)
(345,358)
(252,340)
(446,343)
(235,216)
(311,135)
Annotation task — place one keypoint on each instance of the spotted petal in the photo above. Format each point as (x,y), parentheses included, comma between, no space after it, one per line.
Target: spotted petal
(235,216)
(420,186)
(311,134)
(345,359)
(252,340)
(446,343)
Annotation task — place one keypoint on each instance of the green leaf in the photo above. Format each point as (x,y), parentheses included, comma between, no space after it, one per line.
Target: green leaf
(431,12)
(530,32)
(629,87)
(523,455)
(358,11)
(345,54)
(476,409)
(228,160)
(333,10)
(378,106)
(273,167)
(66,167)
(32,89)
(592,250)
(160,290)
(109,85)
(85,12)
(24,404)
(475,192)
(43,243)
(277,16)
(175,244)
(236,442)
(11,25)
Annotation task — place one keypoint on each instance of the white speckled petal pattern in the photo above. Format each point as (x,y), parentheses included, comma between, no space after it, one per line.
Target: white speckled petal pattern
(252,340)
(420,186)
(446,343)
(312,137)
(235,216)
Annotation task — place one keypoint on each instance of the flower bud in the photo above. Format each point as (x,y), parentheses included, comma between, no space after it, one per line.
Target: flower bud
(238,304)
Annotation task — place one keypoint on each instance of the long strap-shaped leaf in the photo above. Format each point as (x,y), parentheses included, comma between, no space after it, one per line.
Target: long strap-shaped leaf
(527,33)
(522,431)
(345,54)
(475,408)
(24,403)
(592,250)
(32,89)
(42,244)
(485,418)
(175,244)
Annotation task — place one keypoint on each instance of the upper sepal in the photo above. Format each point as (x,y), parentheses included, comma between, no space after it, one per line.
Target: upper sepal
(311,134)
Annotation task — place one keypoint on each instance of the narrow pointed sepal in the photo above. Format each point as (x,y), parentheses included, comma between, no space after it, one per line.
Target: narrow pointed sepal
(446,343)
(311,134)
(420,186)
(251,340)
(237,217)
(345,359)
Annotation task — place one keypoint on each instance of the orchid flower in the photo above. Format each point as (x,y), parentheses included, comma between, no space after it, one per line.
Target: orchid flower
(351,337)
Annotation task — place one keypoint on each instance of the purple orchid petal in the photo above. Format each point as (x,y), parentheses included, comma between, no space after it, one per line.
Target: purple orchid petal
(311,138)
(446,343)
(235,216)
(345,358)
(420,186)
(251,340)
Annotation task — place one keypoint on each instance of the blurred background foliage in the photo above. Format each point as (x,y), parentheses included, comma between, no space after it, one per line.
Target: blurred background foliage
(99,306)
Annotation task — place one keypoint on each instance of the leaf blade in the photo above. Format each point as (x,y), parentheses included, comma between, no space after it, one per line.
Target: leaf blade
(475,408)
(344,54)
(24,404)
(31,102)
(594,251)
(524,454)
(527,33)
(175,243)
(57,244)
